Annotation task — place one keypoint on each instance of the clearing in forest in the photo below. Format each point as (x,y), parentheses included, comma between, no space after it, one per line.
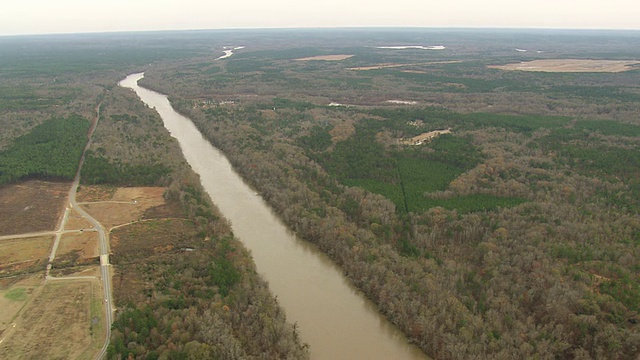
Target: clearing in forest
(388,65)
(570,65)
(125,205)
(326,58)
(32,206)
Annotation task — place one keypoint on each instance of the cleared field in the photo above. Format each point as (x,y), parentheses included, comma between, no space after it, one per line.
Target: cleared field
(89,193)
(326,58)
(58,324)
(84,244)
(126,205)
(388,66)
(31,206)
(19,254)
(570,65)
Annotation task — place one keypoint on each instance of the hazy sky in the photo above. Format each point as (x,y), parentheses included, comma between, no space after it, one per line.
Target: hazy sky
(70,16)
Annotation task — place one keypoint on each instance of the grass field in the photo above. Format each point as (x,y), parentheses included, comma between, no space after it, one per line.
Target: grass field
(13,298)
(56,324)
(24,255)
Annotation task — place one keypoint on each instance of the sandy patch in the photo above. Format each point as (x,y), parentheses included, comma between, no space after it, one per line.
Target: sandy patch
(402,102)
(425,137)
(570,65)
(326,58)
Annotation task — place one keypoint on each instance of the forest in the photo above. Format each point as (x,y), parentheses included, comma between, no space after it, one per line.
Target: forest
(50,151)
(513,236)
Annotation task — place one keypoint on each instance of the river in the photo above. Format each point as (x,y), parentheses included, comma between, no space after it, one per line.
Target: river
(333,317)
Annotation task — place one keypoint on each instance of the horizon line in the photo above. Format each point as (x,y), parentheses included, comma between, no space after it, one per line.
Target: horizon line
(299,28)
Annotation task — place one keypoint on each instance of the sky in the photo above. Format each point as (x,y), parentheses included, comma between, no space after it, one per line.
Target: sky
(18,17)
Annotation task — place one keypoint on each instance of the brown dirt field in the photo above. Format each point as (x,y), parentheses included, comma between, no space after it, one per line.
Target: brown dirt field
(77,222)
(89,193)
(326,58)
(111,214)
(32,206)
(85,243)
(570,65)
(18,251)
(55,325)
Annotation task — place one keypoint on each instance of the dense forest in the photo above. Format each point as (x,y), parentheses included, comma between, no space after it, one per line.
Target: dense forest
(51,150)
(514,236)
